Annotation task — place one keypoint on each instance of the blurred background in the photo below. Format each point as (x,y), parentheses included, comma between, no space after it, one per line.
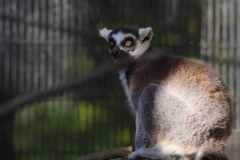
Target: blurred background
(46,42)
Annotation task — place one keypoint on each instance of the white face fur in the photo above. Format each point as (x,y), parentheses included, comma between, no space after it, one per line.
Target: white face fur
(127,41)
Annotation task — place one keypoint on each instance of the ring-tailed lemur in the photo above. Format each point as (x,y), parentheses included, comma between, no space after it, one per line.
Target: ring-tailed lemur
(181,105)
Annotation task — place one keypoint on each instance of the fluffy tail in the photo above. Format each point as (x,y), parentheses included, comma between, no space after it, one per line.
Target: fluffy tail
(212,150)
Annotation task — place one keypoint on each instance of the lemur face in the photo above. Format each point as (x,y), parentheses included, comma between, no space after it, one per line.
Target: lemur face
(126,42)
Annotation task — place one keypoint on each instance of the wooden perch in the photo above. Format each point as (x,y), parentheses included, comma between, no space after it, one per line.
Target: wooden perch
(109,154)
(99,72)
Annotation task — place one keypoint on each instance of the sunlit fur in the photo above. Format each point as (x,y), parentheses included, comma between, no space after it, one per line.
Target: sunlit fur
(181,105)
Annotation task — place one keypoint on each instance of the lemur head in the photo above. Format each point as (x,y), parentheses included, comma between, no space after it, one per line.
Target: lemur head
(127,41)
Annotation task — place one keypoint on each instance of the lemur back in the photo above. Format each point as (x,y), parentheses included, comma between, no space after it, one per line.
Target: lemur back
(181,105)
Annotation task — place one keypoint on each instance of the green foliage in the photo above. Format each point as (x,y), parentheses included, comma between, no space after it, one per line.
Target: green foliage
(71,126)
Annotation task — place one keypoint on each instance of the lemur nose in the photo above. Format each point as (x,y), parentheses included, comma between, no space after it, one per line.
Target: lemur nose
(115,52)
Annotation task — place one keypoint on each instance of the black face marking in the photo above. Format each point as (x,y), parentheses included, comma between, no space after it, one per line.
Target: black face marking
(145,39)
(117,53)
(128,44)
(126,29)
(123,43)
(113,41)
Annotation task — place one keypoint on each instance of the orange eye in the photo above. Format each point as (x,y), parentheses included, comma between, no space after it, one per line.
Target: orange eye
(128,43)
(111,44)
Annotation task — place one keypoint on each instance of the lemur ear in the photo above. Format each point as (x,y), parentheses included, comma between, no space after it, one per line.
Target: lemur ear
(104,32)
(145,33)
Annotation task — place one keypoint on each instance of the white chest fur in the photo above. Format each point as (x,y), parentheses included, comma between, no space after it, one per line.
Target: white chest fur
(122,77)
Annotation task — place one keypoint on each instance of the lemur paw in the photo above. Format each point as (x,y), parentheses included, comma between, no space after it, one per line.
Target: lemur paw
(141,154)
(134,155)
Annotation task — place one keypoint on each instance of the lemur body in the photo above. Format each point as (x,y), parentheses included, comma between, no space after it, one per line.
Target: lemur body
(181,105)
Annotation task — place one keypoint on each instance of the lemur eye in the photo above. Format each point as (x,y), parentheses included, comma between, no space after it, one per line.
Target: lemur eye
(128,43)
(111,44)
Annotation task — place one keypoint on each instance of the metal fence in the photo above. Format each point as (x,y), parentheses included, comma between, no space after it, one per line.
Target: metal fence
(220,44)
(220,39)
(43,43)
